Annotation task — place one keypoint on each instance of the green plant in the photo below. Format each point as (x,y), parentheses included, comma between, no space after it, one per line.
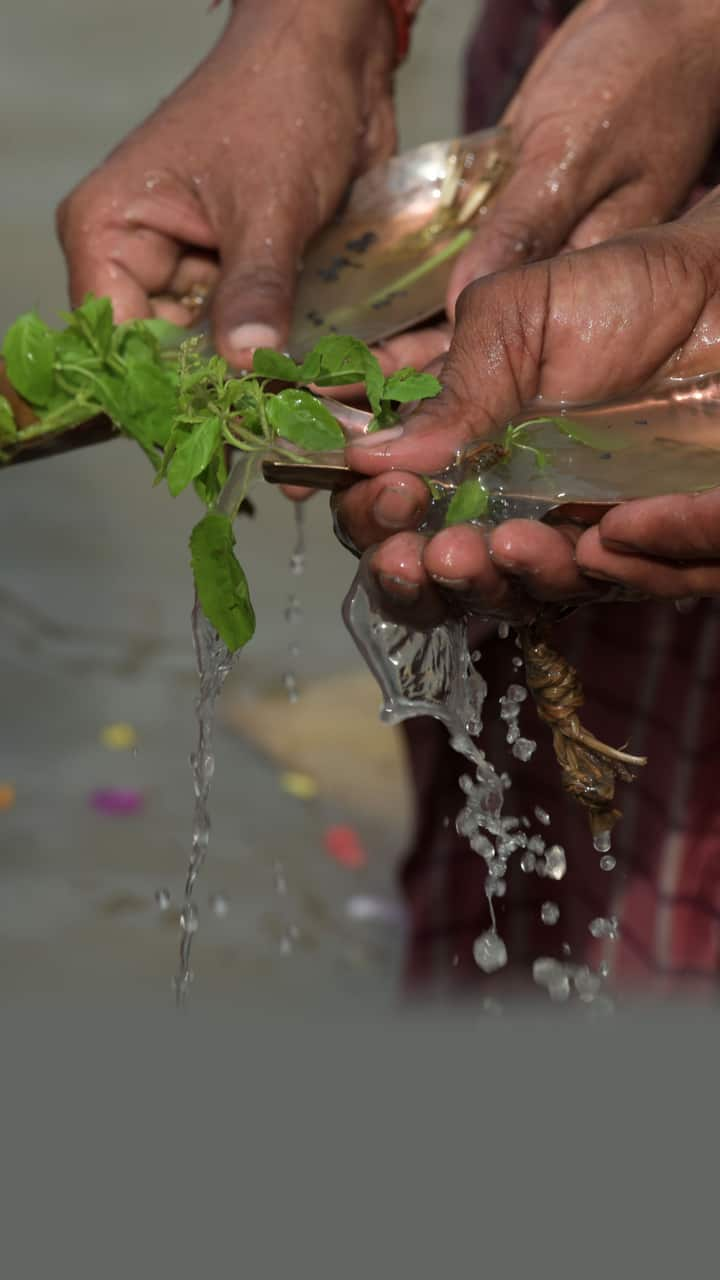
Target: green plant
(184,409)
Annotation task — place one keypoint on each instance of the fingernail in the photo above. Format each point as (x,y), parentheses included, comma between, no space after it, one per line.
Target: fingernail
(398,586)
(602,577)
(248,337)
(612,545)
(453,584)
(374,438)
(395,508)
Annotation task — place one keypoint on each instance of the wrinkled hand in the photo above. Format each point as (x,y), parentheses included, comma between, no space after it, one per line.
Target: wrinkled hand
(612,126)
(580,327)
(227,181)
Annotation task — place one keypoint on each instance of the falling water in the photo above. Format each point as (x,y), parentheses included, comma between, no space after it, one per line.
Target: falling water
(293,607)
(433,673)
(214,662)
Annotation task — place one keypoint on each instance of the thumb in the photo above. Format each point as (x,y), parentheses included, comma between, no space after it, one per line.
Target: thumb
(491,370)
(253,302)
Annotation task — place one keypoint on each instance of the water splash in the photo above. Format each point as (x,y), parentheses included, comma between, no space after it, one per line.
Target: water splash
(432,673)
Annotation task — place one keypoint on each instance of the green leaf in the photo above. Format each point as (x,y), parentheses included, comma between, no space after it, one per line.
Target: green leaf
(193,455)
(338,361)
(273,364)
(148,403)
(301,418)
(469,502)
(8,426)
(72,347)
(29,351)
(211,482)
(220,581)
(94,320)
(166,335)
(406,385)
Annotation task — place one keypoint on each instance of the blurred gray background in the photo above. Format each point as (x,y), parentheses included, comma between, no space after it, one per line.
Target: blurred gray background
(94,615)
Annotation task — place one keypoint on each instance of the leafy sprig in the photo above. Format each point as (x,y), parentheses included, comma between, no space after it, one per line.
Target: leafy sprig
(186,410)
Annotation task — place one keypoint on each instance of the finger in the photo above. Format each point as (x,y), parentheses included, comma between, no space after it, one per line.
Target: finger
(168,308)
(460,564)
(406,591)
(541,558)
(126,249)
(296,493)
(421,348)
(253,301)
(373,510)
(491,369)
(533,214)
(634,204)
(663,579)
(674,527)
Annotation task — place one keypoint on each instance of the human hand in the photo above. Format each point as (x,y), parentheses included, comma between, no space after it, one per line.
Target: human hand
(227,181)
(580,327)
(612,126)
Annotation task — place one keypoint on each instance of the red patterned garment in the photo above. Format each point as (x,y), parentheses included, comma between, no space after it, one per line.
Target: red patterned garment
(652,680)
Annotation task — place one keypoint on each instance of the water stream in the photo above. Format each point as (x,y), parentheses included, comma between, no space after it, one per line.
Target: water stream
(214,662)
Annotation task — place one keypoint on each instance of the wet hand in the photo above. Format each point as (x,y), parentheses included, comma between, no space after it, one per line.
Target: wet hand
(227,181)
(612,126)
(580,327)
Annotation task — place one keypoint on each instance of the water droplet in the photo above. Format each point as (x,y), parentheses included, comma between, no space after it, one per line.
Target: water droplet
(524,749)
(602,928)
(559,988)
(189,919)
(517,693)
(607,862)
(542,816)
(279,878)
(162,898)
(490,952)
(517,663)
(293,610)
(555,862)
(587,983)
(549,913)
(290,686)
(546,970)
(492,1007)
(496,889)
(602,842)
(527,862)
(219,905)
(297,563)
(503,630)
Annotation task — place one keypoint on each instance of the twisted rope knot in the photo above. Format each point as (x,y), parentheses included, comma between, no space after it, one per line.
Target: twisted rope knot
(590,768)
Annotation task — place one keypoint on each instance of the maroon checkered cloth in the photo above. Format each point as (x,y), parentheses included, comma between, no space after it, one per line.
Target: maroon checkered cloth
(652,680)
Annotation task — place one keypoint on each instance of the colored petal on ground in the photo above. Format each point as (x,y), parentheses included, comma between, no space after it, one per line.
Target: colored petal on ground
(344,845)
(7,796)
(117,802)
(118,737)
(300,785)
